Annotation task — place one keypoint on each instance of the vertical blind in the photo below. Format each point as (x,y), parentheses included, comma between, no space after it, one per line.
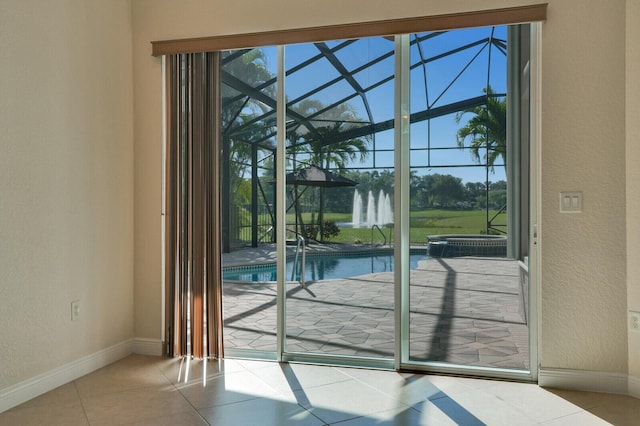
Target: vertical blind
(193,278)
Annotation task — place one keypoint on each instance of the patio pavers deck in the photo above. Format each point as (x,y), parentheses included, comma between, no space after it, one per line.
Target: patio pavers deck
(466,310)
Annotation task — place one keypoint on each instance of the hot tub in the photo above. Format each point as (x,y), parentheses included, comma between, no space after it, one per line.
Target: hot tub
(456,245)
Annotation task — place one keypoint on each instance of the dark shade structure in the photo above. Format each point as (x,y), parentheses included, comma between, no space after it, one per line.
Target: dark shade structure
(315,176)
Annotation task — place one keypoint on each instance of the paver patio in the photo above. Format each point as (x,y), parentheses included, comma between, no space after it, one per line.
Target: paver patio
(467,310)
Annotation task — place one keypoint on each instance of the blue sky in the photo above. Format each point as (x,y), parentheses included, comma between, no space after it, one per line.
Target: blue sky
(448,79)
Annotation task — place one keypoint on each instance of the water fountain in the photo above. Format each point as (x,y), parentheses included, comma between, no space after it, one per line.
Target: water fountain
(382,215)
(356,212)
(385,214)
(388,212)
(371,210)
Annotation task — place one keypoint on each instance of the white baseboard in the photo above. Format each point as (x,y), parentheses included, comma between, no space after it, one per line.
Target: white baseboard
(144,346)
(634,386)
(584,380)
(36,386)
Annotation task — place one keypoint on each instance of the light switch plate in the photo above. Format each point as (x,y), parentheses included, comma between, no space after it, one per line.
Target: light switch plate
(75,310)
(634,321)
(571,202)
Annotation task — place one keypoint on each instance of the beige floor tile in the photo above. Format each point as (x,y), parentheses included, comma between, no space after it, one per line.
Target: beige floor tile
(619,410)
(582,418)
(410,388)
(588,400)
(134,405)
(135,371)
(402,417)
(268,393)
(227,389)
(292,377)
(187,418)
(487,408)
(534,401)
(262,412)
(63,394)
(181,371)
(254,365)
(452,385)
(616,409)
(445,410)
(345,400)
(583,400)
(62,414)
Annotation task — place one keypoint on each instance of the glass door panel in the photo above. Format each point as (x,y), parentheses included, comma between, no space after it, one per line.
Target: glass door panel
(339,297)
(467,300)
(248,123)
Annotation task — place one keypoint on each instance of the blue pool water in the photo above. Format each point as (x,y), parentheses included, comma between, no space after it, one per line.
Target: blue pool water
(322,267)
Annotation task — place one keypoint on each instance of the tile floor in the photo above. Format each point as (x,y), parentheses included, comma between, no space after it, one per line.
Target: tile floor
(466,311)
(143,390)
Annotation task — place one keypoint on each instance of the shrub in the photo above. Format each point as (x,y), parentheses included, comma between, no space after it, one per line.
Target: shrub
(330,230)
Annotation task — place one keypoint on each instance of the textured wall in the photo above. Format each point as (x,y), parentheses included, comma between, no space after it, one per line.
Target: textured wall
(583,256)
(633,175)
(66,182)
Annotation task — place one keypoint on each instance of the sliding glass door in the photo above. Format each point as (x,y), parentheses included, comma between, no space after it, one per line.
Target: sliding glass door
(401,168)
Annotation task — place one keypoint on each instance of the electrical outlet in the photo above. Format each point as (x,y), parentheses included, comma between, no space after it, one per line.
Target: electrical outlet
(75,310)
(634,321)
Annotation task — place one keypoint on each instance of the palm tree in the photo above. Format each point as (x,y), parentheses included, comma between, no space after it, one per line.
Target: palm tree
(240,110)
(336,154)
(243,123)
(324,154)
(486,130)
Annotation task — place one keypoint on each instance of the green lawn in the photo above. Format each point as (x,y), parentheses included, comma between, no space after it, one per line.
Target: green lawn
(423,223)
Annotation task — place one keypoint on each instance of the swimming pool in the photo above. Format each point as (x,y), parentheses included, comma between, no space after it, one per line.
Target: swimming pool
(321,267)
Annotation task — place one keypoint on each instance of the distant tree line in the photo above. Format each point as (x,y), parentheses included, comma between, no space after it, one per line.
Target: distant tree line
(426,191)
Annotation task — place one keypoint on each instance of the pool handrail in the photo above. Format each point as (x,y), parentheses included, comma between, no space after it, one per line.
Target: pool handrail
(301,243)
(381,233)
